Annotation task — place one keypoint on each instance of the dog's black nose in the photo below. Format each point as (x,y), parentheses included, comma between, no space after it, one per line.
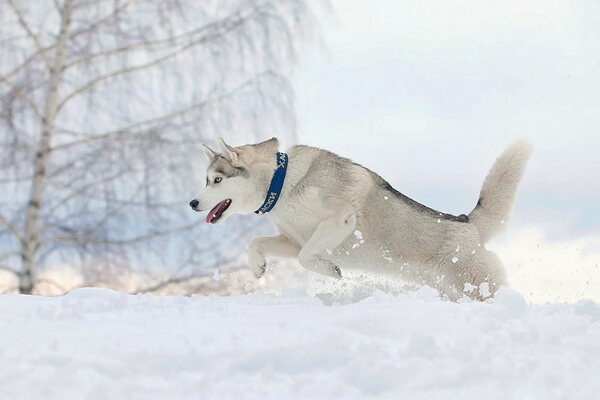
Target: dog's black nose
(194,203)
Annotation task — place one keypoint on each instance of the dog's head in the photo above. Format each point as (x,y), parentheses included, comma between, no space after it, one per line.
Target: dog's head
(235,179)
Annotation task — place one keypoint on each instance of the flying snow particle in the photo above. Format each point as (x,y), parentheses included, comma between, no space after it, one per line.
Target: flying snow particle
(355,245)
(484,290)
(385,197)
(358,234)
(454,260)
(457,248)
(439,221)
(469,288)
(328,251)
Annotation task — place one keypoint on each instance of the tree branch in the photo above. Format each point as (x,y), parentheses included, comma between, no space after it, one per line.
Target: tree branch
(92,27)
(30,33)
(10,254)
(31,104)
(127,130)
(25,63)
(11,228)
(120,242)
(9,269)
(170,281)
(131,129)
(81,191)
(122,49)
(170,41)
(228,27)
(9,289)
(52,283)
(176,280)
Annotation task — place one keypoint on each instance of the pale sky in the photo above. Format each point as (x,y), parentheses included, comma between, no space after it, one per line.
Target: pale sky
(428,93)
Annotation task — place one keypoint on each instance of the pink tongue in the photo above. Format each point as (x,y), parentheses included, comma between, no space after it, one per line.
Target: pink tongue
(215,212)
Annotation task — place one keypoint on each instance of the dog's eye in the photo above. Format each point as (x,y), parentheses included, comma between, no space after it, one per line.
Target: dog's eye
(218,179)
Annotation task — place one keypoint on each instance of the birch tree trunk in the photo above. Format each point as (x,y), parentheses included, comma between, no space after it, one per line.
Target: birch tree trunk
(30,243)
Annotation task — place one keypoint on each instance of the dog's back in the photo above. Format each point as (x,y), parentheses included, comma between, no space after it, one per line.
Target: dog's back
(394,232)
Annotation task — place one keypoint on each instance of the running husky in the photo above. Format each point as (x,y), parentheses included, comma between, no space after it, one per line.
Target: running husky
(335,215)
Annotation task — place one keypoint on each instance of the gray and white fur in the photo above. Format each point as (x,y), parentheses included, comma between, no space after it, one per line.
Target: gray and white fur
(334,216)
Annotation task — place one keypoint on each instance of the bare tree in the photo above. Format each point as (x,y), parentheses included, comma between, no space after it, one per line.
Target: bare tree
(104,104)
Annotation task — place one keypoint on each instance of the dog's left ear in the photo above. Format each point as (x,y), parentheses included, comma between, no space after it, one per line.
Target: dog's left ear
(209,153)
(228,151)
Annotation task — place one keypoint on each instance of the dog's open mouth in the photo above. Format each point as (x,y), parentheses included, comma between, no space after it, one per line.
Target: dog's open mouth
(217,211)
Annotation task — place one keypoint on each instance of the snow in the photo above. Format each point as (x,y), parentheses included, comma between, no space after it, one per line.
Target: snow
(98,344)
(484,289)
(217,275)
(468,288)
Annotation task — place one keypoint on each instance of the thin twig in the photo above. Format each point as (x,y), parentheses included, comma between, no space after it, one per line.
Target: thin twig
(41,50)
(12,229)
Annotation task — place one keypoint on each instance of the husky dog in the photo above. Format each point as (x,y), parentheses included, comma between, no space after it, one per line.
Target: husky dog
(334,215)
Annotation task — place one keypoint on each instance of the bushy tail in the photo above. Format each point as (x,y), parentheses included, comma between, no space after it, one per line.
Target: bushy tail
(499,188)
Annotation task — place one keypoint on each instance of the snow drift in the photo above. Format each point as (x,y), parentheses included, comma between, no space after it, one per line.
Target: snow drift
(99,344)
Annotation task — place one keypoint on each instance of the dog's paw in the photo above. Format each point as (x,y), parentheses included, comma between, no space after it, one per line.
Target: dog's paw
(335,270)
(258,264)
(320,266)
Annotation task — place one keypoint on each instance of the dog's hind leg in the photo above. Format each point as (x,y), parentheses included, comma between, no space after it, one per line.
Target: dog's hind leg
(329,234)
(478,276)
(275,246)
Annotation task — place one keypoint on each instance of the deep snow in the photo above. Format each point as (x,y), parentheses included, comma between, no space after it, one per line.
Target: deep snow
(102,344)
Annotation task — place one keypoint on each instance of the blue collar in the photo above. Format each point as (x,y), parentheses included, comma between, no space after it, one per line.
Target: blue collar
(276,184)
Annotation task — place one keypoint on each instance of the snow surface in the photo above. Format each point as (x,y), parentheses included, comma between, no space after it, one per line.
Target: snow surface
(102,344)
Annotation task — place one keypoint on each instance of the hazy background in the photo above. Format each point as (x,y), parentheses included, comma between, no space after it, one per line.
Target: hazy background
(426,94)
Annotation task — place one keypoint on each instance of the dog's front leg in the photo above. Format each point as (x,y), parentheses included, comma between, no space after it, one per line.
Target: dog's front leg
(275,246)
(329,234)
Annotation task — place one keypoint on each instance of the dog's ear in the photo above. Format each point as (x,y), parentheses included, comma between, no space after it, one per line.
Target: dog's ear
(269,146)
(228,151)
(208,152)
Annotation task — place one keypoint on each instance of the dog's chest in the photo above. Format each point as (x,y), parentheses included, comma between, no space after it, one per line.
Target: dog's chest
(298,216)
(295,226)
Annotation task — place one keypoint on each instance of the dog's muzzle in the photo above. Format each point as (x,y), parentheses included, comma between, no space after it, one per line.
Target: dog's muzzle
(194,204)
